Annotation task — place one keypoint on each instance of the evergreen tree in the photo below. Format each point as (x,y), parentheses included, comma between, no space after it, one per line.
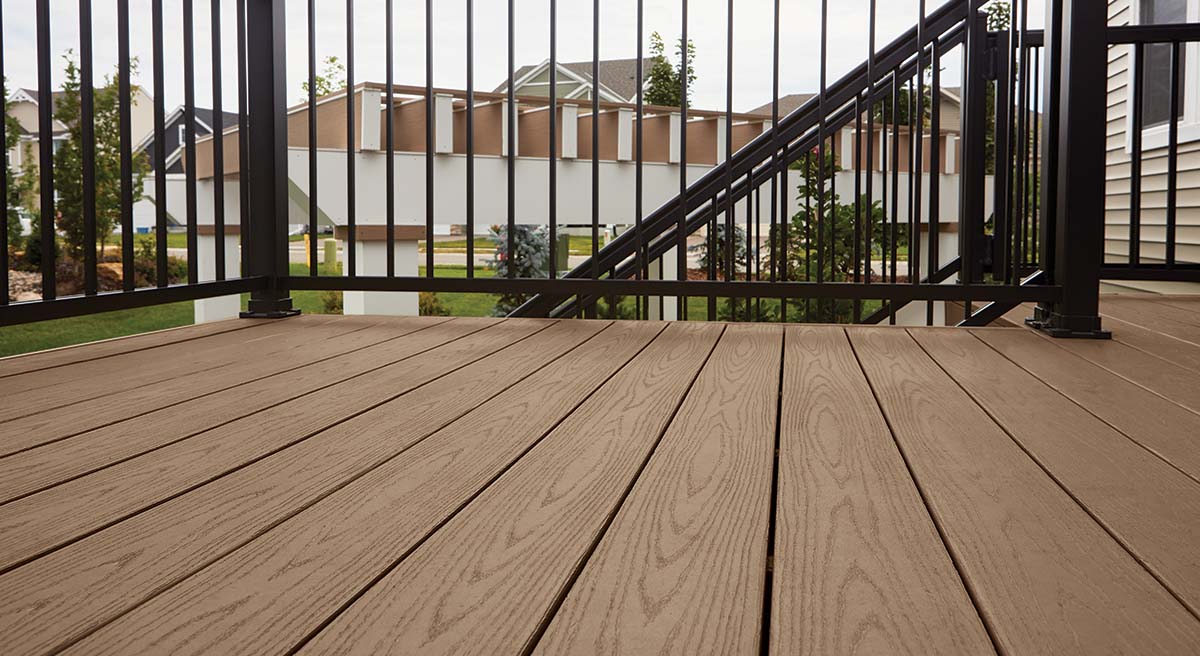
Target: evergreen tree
(664,81)
(68,163)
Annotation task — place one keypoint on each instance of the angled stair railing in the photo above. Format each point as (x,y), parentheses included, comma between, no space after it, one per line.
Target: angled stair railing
(764,157)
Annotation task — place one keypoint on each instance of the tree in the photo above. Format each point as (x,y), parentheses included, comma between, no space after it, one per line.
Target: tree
(530,259)
(664,82)
(68,163)
(12,135)
(722,247)
(831,228)
(999,18)
(332,78)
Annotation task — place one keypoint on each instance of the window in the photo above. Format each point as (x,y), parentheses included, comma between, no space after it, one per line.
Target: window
(182,134)
(1155,75)
(1156,67)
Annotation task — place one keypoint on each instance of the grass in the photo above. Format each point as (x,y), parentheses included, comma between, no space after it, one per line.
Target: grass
(578,245)
(78,330)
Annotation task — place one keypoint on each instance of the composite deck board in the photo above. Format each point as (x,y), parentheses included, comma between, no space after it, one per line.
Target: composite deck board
(858,563)
(34,469)
(1183,353)
(257,365)
(1176,322)
(682,568)
(1190,303)
(106,377)
(48,360)
(1045,576)
(277,597)
(484,582)
(59,514)
(1162,376)
(1147,505)
(513,549)
(49,464)
(98,578)
(495,486)
(1158,424)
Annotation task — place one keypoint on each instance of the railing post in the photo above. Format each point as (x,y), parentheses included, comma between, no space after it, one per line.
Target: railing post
(267,145)
(972,243)
(1074,156)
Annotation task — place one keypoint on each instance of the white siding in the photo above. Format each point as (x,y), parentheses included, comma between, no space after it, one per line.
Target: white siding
(1154,168)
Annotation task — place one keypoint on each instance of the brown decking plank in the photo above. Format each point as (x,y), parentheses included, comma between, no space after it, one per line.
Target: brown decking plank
(1191,303)
(485,581)
(1149,506)
(682,568)
(63,595)
(42,521)
(103,380)
(1150,420)
(1173,349)
(49,464)
(859,566)
(348,539)
(43,360)
(1162,376)
(1165,319)
(1044,575)
(264,359)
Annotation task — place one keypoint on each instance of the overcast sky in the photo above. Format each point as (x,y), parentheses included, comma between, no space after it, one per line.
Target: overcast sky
(800,23)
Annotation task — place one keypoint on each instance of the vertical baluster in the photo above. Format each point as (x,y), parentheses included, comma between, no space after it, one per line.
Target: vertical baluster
(189,137)
(247,236)
(511,159)
(553,157)
(218,142)
(124,111)
(681,227)
(313,184)
(87,129)
(429,142)
(351,149)
(470,138)
(390,148)
(4,287)
(591,307)
(870,228)
(935,167)
(642,265)
(1173,153)
(160,150)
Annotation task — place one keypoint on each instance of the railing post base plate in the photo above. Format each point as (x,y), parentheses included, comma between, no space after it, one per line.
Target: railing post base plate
(272,309)
(1067,327)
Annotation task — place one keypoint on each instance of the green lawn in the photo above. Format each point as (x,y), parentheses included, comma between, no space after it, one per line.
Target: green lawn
(77,330)
(579,245)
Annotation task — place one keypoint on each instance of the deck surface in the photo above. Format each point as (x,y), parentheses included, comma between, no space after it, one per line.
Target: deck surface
(448,486)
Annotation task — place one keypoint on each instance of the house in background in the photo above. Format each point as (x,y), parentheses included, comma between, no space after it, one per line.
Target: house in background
(174,135)
(618,80)
(23,105)
(1156,113)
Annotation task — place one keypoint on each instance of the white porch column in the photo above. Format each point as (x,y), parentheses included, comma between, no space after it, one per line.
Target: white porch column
(370,251)
(664,308)
(222,307)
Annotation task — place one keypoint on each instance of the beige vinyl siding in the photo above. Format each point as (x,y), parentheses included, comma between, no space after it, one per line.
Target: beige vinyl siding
(1154,171)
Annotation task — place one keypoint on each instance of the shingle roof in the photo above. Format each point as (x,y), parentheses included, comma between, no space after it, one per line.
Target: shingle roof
(617,75)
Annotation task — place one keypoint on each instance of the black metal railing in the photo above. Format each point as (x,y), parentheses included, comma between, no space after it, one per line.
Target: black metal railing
(878,133)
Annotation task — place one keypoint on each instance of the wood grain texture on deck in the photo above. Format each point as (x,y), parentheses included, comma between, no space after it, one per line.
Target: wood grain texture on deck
(1150,507)
(682,568)
(1156,423)
(859,566)
(166,542)
(1045,576)
(511,552)
(262,361)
